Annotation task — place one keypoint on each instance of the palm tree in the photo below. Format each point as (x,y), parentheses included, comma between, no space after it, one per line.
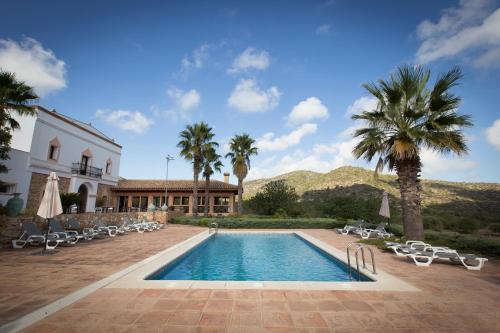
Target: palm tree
(408,118)
(241,148)
(194,140)
(211,163)
(15,96)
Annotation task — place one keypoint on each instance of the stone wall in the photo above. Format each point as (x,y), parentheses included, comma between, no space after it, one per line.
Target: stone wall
(37,186)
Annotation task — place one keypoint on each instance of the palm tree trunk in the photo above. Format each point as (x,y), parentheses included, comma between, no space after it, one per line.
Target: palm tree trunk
(240,196)
(207,184)
(409,186)
(195,193)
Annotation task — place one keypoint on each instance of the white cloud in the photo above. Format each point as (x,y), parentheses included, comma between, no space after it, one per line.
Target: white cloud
(184,100)
(323,29)
(473,28)
(133,121)
(322,158)
(33,64)
(362,104)
(268,142)
(195,60)
(250,59)
(493,134)
(183,103)
(436,164)
(307,110)
(247,96)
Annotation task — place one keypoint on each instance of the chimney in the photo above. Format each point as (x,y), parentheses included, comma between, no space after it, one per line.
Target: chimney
(226,177)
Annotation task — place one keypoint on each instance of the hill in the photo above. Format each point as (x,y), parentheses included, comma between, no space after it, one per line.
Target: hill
(478,200)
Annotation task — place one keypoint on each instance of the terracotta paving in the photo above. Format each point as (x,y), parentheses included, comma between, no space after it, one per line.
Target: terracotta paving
(29,281)
(451,299)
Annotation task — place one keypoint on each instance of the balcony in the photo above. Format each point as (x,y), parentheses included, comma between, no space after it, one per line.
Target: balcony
(81,169)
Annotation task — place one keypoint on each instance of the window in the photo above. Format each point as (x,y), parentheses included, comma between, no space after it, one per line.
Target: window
(54,147)
(136,202)
(7,188)
(181,203)
(144,204)
(108,168)
(221,204)
(156,201)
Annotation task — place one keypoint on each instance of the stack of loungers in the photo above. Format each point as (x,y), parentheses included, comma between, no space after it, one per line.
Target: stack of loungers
(32,235)
(360,229)
(423,254)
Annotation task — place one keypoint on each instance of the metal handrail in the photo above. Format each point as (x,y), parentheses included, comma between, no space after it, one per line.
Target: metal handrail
(213,225)
(360,248)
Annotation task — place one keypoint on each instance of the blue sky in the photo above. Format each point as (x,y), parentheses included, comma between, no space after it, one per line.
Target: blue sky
(289,73)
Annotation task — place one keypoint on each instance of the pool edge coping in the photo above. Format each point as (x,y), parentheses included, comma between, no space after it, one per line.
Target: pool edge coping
(382,281)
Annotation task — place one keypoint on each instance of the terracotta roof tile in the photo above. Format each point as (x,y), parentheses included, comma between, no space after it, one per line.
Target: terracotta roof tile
(158,184)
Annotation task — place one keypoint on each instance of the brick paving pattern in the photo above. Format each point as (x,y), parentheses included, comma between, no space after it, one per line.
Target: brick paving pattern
(451,299)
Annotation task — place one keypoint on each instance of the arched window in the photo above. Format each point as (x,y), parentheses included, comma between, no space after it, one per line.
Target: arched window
(109,166)
(54,149)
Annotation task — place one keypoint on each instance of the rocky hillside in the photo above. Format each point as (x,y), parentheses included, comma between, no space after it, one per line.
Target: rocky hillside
(469,199)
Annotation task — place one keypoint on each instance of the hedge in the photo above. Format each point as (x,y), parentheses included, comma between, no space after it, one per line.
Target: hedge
(261,222)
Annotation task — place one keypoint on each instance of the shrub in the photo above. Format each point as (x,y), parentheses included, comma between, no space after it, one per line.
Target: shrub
(263,222)
(276,197)
(68,199)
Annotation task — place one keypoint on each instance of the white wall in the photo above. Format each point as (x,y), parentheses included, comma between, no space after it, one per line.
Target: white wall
(73,142)
(18,174)
(21,138)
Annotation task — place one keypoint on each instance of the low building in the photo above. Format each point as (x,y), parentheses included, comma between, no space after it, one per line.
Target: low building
(85,159)
(138,194)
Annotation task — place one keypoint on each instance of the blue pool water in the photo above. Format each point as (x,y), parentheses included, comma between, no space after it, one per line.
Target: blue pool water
(255,257)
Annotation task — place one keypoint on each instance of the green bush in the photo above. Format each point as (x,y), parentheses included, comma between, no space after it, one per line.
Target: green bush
(68,199)
(276,198)
(263,222)
(464,243)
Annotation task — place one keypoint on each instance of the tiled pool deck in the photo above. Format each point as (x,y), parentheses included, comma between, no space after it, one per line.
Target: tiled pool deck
(451,299)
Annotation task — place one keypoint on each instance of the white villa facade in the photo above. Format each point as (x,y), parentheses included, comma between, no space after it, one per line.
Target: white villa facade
(86,160)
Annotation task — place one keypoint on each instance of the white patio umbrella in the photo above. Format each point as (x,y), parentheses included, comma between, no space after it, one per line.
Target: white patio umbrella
(51,202)
(384,209)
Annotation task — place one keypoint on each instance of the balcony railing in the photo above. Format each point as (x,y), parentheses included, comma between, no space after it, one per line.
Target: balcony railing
(82,169)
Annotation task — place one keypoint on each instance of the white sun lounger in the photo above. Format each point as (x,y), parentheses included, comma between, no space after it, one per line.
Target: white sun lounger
(33,236)
(428,255)
(378,232)
(411,246)
(353,229)
(87,233)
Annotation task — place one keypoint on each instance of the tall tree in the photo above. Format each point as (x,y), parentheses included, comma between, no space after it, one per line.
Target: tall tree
(15,97)
(194,140)
(211,163)
(241,148)
(408,118)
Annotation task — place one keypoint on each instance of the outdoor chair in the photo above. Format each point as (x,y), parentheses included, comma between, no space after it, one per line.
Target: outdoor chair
(87,233)
(402,250)
(101,228)
(354,229)
(429,254)
(56,228)
(378,232)
(33,236)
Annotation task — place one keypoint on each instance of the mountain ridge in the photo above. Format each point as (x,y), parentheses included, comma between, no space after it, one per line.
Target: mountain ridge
(469,198)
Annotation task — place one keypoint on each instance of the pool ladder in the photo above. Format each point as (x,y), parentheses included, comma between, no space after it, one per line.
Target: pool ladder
(213,225)
(359,248)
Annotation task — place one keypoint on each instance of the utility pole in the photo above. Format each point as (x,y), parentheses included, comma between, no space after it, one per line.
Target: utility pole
(165,204)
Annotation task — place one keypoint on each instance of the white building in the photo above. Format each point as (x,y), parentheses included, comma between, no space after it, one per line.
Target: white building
(86,160)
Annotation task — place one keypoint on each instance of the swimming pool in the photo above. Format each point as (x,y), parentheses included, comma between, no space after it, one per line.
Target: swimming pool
(255,257)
